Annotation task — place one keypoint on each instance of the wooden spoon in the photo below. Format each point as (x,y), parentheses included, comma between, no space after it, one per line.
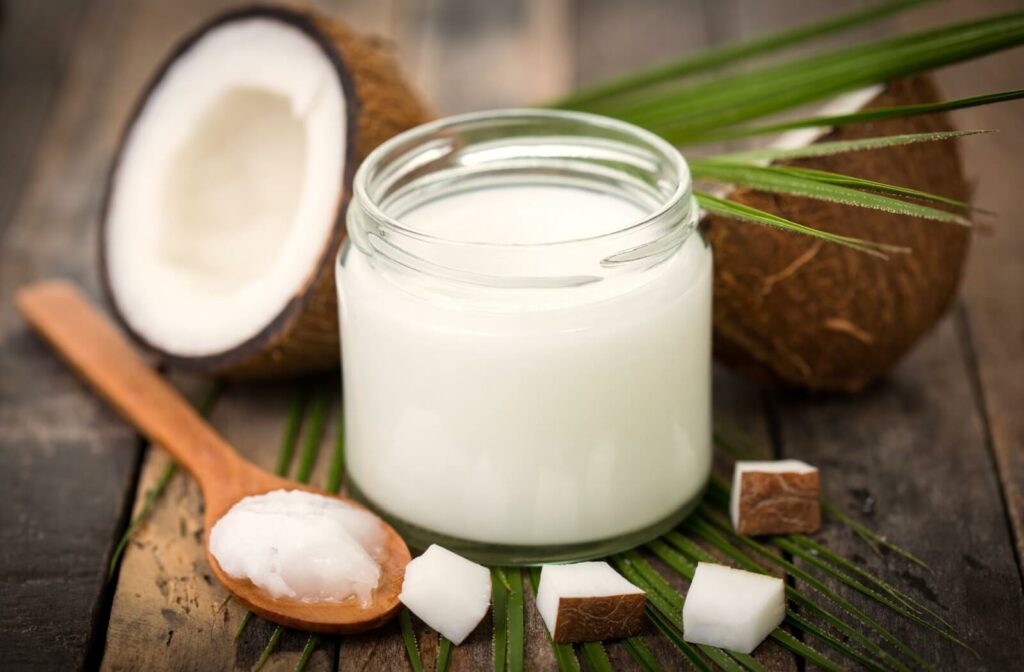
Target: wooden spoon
(101,355)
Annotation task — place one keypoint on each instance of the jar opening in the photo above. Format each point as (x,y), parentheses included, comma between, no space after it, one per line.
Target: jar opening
(522,199)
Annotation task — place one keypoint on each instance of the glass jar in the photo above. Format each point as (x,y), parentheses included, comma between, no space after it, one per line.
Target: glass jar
(525,308)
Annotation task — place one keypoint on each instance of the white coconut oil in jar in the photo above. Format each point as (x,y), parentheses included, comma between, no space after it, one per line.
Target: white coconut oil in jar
(525,324)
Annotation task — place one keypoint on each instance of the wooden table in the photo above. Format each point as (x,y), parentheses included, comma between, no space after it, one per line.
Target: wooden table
(933,457)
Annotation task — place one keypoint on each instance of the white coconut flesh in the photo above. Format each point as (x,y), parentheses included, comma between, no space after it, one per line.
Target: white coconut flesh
(227,189)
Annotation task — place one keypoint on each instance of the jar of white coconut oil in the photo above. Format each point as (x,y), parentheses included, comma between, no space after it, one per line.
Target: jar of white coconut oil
(525,324)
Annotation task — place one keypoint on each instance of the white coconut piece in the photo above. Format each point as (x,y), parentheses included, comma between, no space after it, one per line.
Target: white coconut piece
(448,592)
(589,601)
(775,497)
(227,189)
(732,608)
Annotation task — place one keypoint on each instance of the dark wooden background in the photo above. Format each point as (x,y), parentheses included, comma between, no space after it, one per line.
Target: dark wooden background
(932,457)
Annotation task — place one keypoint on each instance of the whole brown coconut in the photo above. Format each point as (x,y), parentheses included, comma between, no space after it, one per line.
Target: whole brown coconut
(302,336)
(803,313)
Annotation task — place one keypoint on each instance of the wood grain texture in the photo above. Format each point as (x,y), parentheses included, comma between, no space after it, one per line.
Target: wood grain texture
(167,611)
(918,443)
(909,460)
(35,39)
(68,462)
(992,320)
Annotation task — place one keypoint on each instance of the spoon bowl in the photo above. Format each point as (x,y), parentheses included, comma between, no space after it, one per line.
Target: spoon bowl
(103,357)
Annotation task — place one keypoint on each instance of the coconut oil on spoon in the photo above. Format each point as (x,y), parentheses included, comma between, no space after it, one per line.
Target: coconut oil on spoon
(264,527)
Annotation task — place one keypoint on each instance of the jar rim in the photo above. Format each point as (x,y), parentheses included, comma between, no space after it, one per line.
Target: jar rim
(665,151)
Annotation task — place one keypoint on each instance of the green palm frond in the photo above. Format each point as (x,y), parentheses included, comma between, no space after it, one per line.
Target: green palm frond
(733,210)
(814,184)
(641,655)
(861,116)
(596,657)
(444,654)
(716,58)
(684,113)
(412,647)
(757,156)
(499,621)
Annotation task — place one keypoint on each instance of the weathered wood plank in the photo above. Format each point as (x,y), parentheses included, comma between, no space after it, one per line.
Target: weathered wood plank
(167,611)
(993,318)
(69,463)
(909,459)
(35,38)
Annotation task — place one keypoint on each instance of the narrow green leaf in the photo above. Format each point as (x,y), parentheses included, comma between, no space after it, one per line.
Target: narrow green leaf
(296,410)
(516,636)
(872,185)
(243,624)
(564,654)
(499,619)
(412,647)
(873,540)
(815,584)
(444,653)
(670,603)
(794,549)
(799,648)
(741,447)
(732,53)
(840,146)
(307,652)
(733,210)
(720,657)
(268,649)
(314,436)
(641,655)
(154,494)
(862,116)
(712,535)
(785,180)
(336,472)
(676,639)
(596,657)
(839,561)
(685,567)
(695,110)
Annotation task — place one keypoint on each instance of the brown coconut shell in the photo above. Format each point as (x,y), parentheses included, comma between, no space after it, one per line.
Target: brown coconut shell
(792,310)
(303,338)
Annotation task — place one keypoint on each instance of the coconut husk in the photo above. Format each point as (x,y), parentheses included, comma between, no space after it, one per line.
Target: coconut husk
(792,310)
(303,338)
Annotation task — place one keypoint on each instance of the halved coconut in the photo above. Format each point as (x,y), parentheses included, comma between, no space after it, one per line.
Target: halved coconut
(793,310)
(225,206)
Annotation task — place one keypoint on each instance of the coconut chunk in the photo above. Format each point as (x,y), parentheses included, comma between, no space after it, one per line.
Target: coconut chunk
(589,601)
(731,608)
(775,497)
(448,592)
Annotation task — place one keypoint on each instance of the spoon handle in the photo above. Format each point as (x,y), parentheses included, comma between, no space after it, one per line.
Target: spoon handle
(103,357)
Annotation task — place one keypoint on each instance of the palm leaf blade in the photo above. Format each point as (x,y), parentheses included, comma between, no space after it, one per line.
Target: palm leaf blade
(794,182)
(734,210)
(841,146)
(731,53)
